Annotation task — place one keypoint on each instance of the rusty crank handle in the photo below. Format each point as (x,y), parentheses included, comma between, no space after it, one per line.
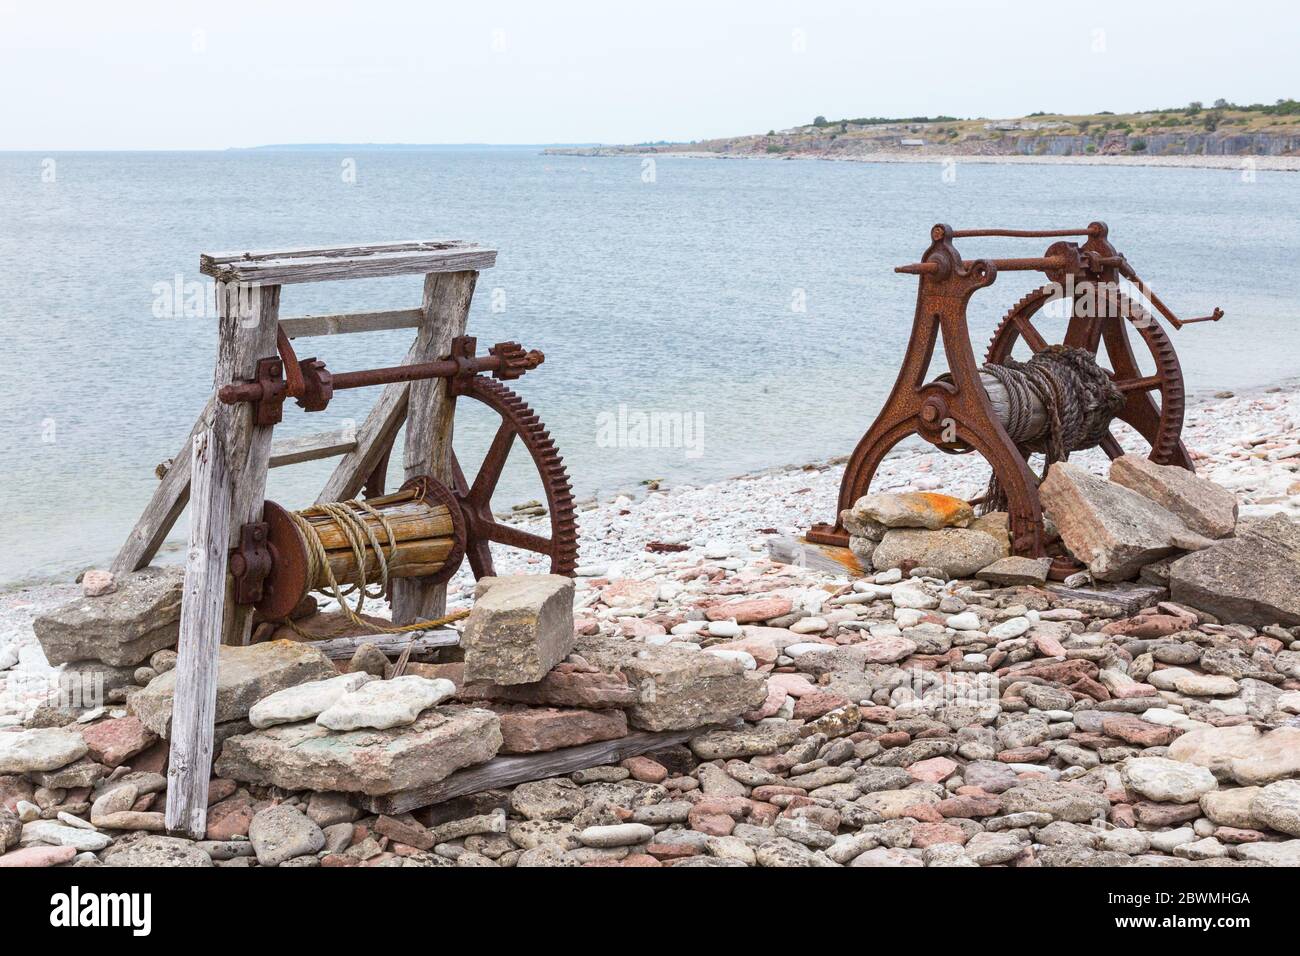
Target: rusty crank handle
(1127,272)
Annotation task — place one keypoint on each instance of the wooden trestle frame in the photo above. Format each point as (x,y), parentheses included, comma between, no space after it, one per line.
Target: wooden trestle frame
(221,469)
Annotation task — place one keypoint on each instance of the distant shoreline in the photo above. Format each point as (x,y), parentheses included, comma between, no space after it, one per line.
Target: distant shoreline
(1288,164)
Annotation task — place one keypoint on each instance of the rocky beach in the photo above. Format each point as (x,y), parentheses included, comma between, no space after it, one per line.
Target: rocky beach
(687,700)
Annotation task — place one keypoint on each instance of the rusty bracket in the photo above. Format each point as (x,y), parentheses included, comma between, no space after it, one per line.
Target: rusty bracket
(313,385)
(250,562)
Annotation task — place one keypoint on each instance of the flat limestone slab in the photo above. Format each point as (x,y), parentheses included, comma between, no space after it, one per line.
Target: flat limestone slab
(245,675)
(307,756)
(121,628)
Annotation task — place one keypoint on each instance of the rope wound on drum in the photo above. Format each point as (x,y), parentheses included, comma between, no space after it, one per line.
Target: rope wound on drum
(1078,398)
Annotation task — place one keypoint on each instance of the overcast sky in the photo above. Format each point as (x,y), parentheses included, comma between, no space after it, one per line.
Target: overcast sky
(176,74)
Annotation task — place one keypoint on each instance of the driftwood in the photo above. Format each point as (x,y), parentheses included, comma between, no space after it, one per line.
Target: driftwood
(820,557)
(510,770)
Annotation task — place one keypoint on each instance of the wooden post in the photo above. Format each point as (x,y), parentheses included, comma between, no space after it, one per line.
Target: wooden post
(249,319)
(195,703)
(429,420)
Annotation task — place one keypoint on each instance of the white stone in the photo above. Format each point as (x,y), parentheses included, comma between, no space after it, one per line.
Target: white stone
(382,704)
(744,658)
(1166,840)
(796,650)
(57,834)
(304,701)
(719,629)
(43,748)
(1010,628)
(1169,781)
(965,621)
(809,625)
(908,595)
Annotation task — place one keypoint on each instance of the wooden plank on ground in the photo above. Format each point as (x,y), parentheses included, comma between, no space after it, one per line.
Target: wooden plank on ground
(429,421)
(426,644)
(826,558)
(307,326)
(286,267)
(1126,597)
(203,597)
(509,770)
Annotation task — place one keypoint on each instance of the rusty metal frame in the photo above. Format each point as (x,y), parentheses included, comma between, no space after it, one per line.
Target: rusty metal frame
(954,413)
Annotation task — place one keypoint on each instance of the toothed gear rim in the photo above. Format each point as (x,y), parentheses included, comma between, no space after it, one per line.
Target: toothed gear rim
(562,547)
(1166,447)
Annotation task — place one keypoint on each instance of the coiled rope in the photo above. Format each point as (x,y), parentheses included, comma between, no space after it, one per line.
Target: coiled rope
(1077,396)
(347,515)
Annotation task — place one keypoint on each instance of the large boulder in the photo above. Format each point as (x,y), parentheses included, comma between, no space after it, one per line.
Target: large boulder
(1203,506)
(1250,579)
(959,552)
(519,629)
(245,675)
(122,628)
(307,756)
(912,509)
(1111,529)
(678,689)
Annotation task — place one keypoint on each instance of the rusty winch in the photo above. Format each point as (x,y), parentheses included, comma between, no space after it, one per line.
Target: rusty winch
(425,529)
(956,413)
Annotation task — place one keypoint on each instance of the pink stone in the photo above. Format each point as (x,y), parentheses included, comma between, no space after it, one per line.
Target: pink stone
(645,769)
(627,592)
(812,706)
(796,685)
(928,834)
(1048,646)
(34,856)
(934,770)
(774,701)
(112,742)
(97,582)
(750,610)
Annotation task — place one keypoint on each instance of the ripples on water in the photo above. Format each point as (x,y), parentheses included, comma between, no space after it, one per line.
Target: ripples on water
(672,296)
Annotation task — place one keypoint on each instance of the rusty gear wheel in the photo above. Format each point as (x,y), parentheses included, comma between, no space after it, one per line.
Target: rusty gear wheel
(1160,424)
(482,527)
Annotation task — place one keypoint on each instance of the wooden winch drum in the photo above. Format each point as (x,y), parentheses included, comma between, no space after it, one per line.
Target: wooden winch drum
(428,527)
(1001,403)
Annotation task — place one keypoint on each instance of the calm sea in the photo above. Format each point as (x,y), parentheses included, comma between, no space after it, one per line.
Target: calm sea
(751,302)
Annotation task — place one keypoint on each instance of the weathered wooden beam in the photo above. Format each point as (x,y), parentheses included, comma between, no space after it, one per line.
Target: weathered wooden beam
(286,267)
(203,597)
(290,451)
(346,323)
(424,648)
(429,421)
(510,770)
(829,559)
(249,320)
